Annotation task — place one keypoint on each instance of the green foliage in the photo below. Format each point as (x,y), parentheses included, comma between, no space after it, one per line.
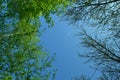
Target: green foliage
(21,56)
(8,78)
(32,9)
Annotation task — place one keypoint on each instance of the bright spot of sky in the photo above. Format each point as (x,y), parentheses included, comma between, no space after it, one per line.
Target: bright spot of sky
(62,40)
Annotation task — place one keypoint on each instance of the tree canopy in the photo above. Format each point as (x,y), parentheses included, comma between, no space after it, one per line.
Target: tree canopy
(21,55)
(104,15)
(100,13)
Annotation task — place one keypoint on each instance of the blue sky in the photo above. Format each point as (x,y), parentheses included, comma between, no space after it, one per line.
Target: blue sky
(62,40)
